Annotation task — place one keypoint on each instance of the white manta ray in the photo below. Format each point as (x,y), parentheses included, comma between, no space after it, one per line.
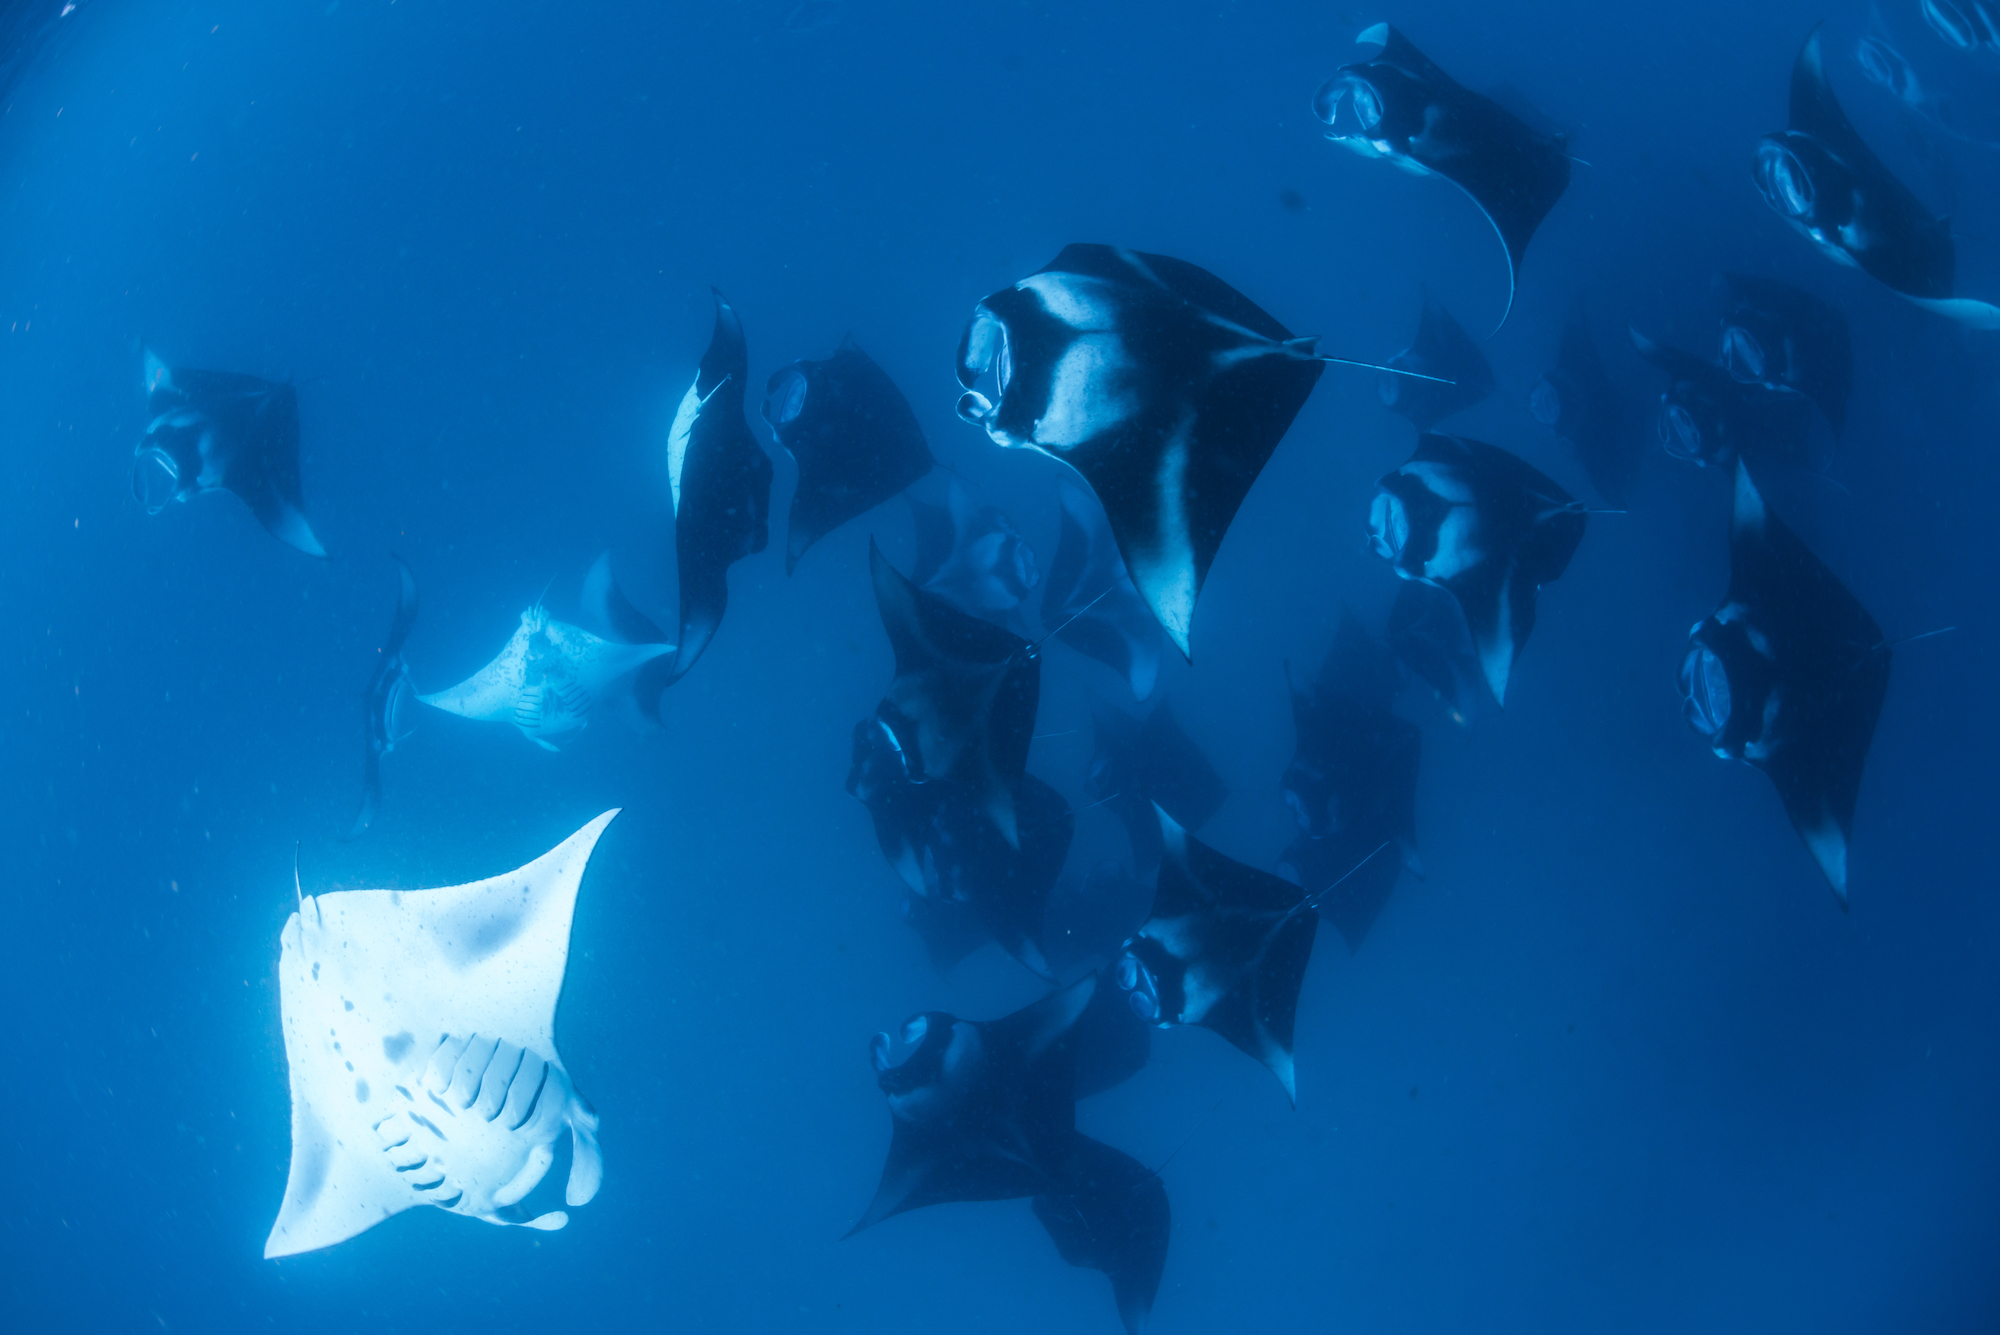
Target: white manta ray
(420,1032)
(547,677)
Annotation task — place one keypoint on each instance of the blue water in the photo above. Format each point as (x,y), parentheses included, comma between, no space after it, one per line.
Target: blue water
(1618,1063)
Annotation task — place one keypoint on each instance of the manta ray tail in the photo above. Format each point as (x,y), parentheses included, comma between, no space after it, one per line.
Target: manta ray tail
(1303,350)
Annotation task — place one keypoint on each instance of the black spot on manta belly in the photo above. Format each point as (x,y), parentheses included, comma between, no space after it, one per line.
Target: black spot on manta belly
(361,1091)
(397,1046)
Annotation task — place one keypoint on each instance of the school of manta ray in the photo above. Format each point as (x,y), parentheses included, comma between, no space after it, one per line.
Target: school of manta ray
(419,1025)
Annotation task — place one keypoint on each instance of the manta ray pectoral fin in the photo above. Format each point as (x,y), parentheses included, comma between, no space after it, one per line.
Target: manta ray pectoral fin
(1973,314)
(1828,844)
(282,519)
(586,1166)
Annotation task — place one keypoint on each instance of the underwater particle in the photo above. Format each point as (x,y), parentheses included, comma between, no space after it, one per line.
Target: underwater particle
(1291,201)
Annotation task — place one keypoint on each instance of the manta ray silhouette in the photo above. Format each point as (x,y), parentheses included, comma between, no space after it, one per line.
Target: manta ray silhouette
(1819,175)
(220,431)
(549,675)
(1400,107)
(1788,675)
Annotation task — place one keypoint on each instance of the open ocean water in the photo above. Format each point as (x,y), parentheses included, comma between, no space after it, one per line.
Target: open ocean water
(1617,1061)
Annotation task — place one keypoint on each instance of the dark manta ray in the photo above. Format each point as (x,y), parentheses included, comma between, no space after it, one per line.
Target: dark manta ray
(1427,631)
(1821,177)
(1577,400)
(986,1111)
(1109,1213)
(388,702)
(1441,349)
(1139,762)
(1352,783)
(1710,417)
(1789,675)
(965,881)
(1165,388)
(962,705)
(982,1110)
(1487,527)
(855,439)
(219,431)
(1776,335)
(1091,601)
(721,481)
(971,555)
(1402,107)
(1226,948)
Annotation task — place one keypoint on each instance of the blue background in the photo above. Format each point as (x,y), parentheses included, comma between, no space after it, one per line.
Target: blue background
(1619,1063)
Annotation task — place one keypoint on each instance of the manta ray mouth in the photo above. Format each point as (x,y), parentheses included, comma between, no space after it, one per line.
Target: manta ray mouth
(785,398)
(1680,433)
(1705,692)
(1359,96)
(156,479)
(886,1052)
(1388,526)
(1142,990)
(1784,181)
(1743,355)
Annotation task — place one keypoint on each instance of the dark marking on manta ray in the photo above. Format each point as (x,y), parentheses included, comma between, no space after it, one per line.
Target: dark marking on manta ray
(1789,675)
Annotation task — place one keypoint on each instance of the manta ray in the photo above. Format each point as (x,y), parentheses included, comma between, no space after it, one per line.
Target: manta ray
(420,1035)
(1788,675)
(549,675)
(1819,175)
(1400,107)
(223,431)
